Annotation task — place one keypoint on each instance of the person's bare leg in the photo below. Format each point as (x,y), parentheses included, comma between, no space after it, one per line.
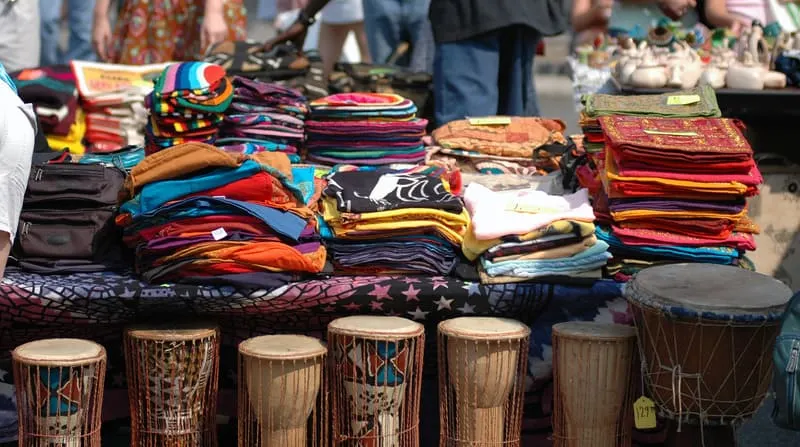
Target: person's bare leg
(363,44)
(5,250)
(331,41)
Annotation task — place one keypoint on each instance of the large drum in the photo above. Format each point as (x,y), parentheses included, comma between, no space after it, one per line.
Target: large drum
(172,385)
(59,387)
(282,397)
(376,380)
(481,381)
(705,336)
(592,371)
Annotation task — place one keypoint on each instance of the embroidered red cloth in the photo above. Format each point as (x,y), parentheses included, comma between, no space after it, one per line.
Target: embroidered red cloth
(674,140)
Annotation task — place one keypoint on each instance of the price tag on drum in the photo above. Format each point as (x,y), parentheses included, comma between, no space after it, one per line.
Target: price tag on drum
(644,414)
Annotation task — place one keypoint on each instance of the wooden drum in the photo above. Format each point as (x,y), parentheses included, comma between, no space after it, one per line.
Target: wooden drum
(592,374)
(705,335)
(482,364)
(376,380)
(59,386)
(172,385)
(280,399)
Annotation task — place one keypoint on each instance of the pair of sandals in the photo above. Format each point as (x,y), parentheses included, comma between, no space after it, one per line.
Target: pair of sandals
(284,64)
(250,59)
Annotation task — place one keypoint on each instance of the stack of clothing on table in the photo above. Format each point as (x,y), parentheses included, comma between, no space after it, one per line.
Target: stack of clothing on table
(115,120)
(365,129)
(501,145)
(526,234)
(187,104)
(384,222)
(263,117)
(195,213)
(54,95)
(699,102)
(112,96)
(674,190)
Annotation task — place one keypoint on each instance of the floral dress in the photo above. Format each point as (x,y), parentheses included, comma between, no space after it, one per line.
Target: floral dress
(155,31)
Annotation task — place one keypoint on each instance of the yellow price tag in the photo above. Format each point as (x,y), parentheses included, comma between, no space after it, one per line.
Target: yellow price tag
(530,208)
(682,100)
(491,121)
(644,414)
(675,134)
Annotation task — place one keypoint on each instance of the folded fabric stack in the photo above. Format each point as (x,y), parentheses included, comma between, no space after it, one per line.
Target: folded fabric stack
(527,234)
(365,129)
(674,189)
(383,222)
(699,102)
(501,145)
(263,117)
(112,96)
(187,105)
(195,213)
(114,121)
(54,95)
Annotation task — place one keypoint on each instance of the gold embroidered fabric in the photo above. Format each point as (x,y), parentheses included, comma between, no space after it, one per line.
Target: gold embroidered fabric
(520,138)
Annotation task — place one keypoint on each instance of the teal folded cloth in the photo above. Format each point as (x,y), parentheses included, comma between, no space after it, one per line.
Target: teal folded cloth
(124,159)
(592,258)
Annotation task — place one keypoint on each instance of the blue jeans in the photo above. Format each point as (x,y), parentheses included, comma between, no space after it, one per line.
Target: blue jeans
(79,18)
(491,74)
(389,22)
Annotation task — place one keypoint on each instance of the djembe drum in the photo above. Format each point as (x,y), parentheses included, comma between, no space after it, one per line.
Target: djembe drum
(59,386)
(281,392)
(705,336)
(592,371)
(172,385)
(376,380)
(482,364)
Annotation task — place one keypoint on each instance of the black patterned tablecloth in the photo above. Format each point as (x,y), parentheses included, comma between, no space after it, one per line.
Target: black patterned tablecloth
(98,306)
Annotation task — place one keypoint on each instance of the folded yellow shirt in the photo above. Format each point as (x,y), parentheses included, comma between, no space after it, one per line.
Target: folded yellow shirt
(622,216)
(473,248)
(73,141)
(404,221)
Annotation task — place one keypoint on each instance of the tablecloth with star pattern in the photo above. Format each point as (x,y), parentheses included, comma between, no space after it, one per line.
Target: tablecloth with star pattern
(97,306)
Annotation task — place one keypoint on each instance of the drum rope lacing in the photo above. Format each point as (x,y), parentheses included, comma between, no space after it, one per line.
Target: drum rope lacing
(678,376)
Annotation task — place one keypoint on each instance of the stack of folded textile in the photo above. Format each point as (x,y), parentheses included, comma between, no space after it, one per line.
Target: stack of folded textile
(501,145)
(525,234)
(54,95)
(112,96)
(365,129)
(699,102)
(114,121)
(674,189)
(387,222)
(195,213)
(187,105)
(264,117)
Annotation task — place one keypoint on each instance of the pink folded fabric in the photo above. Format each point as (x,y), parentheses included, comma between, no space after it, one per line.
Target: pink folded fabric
(641,236)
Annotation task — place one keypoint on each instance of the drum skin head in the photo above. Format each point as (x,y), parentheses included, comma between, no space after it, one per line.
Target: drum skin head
(367,326)
(590,330)
(717,289)
(282,347)
(484,328)
(68,351)
(183,332)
